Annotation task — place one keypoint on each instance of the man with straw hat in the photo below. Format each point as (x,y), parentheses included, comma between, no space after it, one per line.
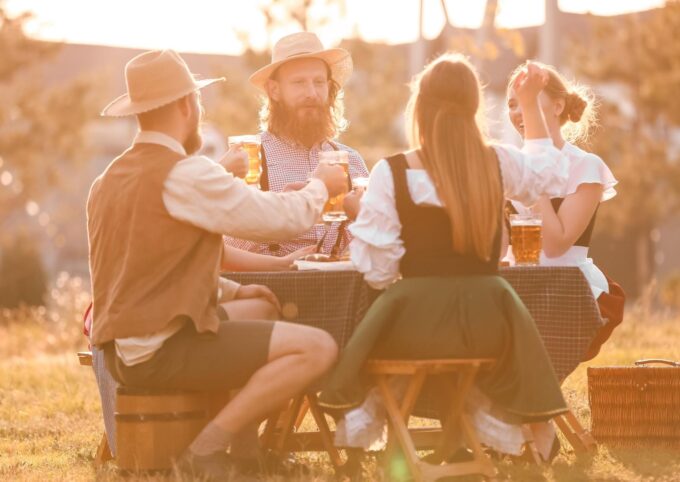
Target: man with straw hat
(302,114)
(156,217)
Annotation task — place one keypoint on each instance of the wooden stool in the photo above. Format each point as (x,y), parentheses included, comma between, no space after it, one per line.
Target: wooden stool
(153,427)
(103,451)
(456,423)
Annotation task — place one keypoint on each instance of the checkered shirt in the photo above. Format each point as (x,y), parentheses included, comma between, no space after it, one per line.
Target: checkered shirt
(288,162)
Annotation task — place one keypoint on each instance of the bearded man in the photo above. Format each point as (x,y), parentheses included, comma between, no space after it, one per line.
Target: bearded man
(301,115)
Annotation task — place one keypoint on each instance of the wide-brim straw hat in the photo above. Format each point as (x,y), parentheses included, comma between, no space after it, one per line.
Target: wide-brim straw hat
(154,79)
(304,45)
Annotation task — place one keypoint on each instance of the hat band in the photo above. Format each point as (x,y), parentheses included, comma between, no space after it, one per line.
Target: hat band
(300,53)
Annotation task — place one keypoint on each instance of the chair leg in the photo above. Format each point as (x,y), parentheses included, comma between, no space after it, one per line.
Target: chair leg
(304,408)
(399,429)
(580,439)
(103,452)
(324,430)
(451,425)
(289,418)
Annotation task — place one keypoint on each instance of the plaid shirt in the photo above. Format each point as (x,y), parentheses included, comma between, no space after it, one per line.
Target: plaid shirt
(288,162)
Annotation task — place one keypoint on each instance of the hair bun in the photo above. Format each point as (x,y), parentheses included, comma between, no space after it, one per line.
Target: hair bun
(575,105)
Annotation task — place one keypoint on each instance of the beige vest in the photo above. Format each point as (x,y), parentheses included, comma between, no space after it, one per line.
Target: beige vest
(147,268)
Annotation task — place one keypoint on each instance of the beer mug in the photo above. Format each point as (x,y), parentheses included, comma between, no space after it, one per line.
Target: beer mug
(525,236)
(251,144)
(334,210)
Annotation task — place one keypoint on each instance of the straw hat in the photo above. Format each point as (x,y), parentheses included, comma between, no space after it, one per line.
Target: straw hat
(304,45)
(154,79)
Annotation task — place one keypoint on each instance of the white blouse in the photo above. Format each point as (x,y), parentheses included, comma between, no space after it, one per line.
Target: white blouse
(377,248)
(584,168)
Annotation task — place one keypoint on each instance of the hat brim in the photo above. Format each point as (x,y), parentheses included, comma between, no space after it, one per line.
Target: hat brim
(339,61)
(124,106)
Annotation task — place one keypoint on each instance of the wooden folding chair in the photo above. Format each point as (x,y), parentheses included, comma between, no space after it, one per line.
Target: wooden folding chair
(456,425)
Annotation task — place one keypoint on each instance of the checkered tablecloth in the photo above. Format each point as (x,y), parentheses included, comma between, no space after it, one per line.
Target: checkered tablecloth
(558,298)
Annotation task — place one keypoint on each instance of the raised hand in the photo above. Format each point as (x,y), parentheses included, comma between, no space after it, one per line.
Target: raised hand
(235,161)
(333,176)
(530,82)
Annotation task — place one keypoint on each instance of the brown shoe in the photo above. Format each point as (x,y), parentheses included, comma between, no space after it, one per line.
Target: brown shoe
(213,467)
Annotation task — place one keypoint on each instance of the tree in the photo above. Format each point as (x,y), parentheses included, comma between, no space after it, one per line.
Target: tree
(642,56)
(42,126)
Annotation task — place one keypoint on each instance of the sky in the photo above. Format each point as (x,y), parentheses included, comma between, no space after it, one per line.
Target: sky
(212,26)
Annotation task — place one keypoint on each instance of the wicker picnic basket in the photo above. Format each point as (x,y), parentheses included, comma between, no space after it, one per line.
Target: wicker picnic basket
(637,405)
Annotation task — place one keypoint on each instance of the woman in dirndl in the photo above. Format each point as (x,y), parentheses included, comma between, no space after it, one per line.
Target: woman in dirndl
(569,219)
(429,233)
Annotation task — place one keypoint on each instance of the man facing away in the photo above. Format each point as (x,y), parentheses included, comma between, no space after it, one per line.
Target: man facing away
(156,217)
(301,115)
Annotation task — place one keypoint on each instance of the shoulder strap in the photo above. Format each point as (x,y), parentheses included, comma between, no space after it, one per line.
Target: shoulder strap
(498,238)
(264,176)
(333,145)
(398,165)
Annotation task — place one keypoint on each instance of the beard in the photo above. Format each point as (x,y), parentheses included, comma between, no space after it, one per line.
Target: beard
(306,124)
(192,144)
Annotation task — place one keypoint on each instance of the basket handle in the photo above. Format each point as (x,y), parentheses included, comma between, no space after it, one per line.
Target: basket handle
(657,360)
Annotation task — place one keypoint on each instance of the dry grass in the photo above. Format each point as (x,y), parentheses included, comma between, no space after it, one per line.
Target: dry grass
(50,422)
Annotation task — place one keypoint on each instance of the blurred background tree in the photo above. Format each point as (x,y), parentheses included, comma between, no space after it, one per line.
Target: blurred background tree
(643,57)
(22,276)
(42,137)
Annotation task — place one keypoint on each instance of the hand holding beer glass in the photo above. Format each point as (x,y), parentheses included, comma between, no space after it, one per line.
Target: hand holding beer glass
(333,210)
(525,236)
(251,144)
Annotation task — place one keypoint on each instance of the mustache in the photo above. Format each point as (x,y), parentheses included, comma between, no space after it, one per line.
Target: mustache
(310,104)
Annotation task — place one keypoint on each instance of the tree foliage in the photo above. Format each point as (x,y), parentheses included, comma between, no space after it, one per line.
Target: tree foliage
(640,57)
(41,125)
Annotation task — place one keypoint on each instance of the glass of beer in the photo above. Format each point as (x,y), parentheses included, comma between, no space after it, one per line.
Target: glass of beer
(525,236)
(334,210)
(251,144)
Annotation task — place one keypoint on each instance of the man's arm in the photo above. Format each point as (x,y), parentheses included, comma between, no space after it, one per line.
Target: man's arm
(200,192)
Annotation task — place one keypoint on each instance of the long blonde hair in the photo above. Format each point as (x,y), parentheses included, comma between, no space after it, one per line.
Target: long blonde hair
(442,113)
(579,116)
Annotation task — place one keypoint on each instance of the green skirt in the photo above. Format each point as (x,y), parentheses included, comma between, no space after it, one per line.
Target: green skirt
(454,317)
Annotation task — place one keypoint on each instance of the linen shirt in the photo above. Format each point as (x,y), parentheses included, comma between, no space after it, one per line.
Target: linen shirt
(289,162)
(584,168)
(377,248)
(200,192)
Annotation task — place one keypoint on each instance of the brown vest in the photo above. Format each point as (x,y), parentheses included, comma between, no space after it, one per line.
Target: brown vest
(147,268)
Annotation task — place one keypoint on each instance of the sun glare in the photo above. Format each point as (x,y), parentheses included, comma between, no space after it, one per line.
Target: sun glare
(215,27)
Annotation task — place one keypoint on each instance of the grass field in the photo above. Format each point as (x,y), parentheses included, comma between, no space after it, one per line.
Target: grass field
(50,420)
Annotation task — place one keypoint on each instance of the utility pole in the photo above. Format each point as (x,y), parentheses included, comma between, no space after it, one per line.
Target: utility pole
(548,46)
(417,49)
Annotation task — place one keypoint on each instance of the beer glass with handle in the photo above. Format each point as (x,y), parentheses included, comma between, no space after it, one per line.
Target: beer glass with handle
(525,237)
(251,144)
